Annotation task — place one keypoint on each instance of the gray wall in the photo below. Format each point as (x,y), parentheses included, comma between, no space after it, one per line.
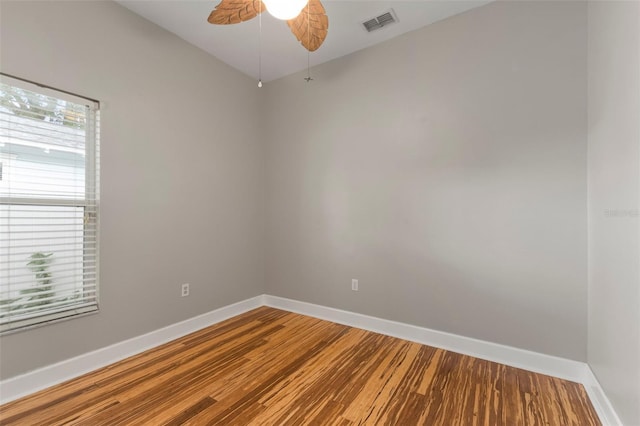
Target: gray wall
(182,168)
(614,203)
(445,169)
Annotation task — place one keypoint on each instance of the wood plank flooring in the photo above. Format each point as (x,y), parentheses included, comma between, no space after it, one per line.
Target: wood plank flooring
(271,367)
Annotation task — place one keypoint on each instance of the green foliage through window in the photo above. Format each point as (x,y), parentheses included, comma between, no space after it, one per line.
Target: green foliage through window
(38,106)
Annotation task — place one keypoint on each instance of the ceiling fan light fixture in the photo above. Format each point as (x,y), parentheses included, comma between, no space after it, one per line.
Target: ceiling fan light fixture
(308,24)
(285,9)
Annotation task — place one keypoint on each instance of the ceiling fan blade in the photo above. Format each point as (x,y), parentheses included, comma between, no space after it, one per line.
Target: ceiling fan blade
(235,11)
(311,26)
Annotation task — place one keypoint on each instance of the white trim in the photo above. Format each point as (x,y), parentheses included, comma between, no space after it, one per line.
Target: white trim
(50,375)
(520,358)
(601,403)
(576,371)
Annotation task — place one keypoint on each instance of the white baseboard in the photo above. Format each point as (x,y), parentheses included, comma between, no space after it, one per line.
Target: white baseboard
(599,399)
(520,358)
(562,368)
(580,372)
(50,375)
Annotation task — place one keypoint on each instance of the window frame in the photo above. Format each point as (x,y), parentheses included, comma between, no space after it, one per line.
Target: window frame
(90,204)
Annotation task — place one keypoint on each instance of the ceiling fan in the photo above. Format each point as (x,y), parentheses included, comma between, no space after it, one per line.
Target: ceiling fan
(307,21)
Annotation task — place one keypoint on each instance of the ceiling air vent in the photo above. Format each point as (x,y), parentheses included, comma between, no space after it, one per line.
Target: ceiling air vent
(380,21)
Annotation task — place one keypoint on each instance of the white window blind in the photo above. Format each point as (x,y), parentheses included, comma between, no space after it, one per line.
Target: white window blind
(48,205)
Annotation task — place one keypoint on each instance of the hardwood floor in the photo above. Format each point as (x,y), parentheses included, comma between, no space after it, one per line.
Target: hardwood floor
(271,367)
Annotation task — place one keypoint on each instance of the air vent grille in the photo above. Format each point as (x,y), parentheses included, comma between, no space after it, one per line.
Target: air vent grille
(380,21)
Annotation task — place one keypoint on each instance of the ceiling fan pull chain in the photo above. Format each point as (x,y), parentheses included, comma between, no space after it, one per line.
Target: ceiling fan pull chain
(308,78)
(260,47)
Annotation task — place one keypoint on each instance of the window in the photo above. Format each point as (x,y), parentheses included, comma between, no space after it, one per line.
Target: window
(48,205)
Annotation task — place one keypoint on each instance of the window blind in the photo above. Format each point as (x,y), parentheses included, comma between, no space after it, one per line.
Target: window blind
(49,169)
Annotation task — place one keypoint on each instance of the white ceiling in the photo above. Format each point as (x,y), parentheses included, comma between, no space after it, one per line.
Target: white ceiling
(238,45)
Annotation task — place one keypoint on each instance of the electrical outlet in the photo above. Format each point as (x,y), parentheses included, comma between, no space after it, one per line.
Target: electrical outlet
(185,290)
(354,284)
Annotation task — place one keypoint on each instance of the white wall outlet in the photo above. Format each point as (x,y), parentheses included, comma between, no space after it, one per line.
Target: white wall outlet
(185,289)
(354,284)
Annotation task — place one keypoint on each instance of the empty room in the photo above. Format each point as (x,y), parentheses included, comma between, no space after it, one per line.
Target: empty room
(223,212)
